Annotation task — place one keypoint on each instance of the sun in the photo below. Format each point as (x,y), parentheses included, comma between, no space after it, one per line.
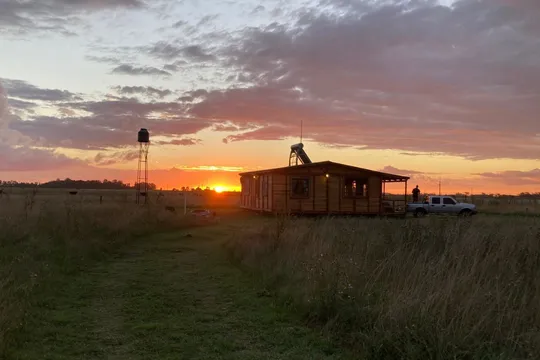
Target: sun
(219,189)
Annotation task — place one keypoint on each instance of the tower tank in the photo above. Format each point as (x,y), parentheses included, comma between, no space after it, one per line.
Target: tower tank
(143,136)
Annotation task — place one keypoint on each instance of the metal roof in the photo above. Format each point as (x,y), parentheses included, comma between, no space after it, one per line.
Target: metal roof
(383,175)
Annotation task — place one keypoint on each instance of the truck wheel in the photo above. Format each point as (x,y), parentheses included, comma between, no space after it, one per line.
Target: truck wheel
(465,212)
(420,213)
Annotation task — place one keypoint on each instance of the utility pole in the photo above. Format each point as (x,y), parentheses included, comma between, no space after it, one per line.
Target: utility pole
(440,187)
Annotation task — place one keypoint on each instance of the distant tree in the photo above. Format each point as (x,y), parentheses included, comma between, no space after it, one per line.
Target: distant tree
(85,184)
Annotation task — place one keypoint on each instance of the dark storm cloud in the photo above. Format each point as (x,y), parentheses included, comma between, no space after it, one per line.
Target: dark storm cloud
(127,69)
(410,76)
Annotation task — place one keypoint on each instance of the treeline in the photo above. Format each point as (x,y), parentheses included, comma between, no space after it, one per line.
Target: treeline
(529,195)
(75,184)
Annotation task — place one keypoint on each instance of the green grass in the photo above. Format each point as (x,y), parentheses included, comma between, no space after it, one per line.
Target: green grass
(40,242)
(87,281)
(433,288)
(165,297)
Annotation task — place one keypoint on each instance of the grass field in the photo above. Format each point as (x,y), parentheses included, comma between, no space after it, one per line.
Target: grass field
(435,288)
(89,280)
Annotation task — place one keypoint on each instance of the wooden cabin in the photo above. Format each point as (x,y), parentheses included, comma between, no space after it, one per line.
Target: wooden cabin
(321,188)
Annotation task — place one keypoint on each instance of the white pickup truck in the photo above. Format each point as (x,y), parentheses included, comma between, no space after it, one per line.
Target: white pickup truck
(441,205)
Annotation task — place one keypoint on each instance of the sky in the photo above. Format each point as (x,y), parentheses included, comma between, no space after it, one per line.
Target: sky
(437,90)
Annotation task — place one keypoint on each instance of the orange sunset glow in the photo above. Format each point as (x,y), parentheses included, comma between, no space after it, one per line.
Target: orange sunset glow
(381,87)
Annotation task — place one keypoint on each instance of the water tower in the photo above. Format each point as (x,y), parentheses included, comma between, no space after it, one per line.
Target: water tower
(143,137)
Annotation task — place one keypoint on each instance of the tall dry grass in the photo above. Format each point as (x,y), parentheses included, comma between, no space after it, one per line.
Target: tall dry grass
(40,240)
(439,288)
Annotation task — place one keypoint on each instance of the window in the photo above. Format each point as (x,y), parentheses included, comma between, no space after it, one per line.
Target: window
(435,200)
(355,187)
(448,201)
(300,188)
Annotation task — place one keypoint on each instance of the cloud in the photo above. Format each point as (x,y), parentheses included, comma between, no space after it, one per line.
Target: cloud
(126,69)
(143,90)
(266,133)
(168,51)
(410,76)
(21,17)
(393,170)
(100,132)
(22,105)
(23,90)
(181,142)
(31,159)
(228,127)
(117,157)
(190,96)
(4,111)
(512,177)
(207,19)
(171,67)
(258,9)
(103,59)
(15,156)
(179,24)
(109,124)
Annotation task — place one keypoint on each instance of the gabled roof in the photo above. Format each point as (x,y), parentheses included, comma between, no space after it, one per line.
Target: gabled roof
(383,175)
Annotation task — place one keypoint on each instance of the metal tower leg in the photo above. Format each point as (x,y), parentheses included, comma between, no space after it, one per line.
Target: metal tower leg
(142,174)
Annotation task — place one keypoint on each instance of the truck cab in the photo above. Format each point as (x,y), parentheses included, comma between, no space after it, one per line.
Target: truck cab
(441,205)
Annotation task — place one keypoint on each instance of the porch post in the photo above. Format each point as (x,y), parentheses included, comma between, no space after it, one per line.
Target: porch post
(406,192)
(383,186)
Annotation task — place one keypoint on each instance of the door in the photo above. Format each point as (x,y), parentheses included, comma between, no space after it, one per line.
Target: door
(449,205)
(435,206)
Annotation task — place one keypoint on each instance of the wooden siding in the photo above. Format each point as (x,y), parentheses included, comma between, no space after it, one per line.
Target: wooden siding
(319,196)
(256,193)
(279,193)
(272,192)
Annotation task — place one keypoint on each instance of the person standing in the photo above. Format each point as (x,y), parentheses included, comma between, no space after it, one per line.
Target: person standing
(416,194)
